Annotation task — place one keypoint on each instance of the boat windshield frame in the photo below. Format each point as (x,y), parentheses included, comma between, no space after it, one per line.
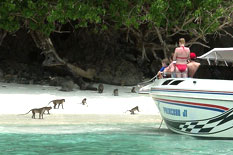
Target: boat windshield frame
(218,54)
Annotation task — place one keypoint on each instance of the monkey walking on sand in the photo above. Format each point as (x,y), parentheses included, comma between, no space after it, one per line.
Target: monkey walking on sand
(115,92)
(132,111)
(100,88)
(57,102)
(47,109)
(133,90)
(37,110)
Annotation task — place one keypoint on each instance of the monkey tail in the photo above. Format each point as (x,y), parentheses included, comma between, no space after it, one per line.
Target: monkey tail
(49,103)
(127,110)
(26,113)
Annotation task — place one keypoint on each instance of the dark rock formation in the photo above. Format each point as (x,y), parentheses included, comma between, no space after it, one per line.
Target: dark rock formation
(115,61)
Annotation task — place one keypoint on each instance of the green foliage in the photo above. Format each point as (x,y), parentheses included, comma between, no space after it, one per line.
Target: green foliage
(47,15)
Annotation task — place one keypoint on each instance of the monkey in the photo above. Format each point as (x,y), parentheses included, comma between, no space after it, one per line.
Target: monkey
(133,90)
(132,111)
(84,102)
(59,102)
(39,110)
(115,92)
(100,88)
(47,108)
(122,83)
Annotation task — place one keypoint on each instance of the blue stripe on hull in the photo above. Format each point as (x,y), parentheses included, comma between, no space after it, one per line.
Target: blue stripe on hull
(206,108)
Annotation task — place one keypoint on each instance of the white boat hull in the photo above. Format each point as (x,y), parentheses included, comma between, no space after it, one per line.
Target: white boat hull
(194,107)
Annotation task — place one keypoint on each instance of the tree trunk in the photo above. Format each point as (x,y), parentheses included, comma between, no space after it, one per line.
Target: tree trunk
(3,34)
(44,43)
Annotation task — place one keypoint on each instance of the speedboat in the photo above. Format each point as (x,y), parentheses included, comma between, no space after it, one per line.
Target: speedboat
(198,106)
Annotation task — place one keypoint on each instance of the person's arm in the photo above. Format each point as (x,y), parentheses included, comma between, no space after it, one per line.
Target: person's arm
(159,75)
(188,55)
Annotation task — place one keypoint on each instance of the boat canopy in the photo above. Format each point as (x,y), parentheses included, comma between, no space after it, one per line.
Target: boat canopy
(219,54)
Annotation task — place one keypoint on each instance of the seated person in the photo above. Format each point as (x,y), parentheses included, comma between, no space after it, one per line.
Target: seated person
(192,65)
(170,70)
(165,63)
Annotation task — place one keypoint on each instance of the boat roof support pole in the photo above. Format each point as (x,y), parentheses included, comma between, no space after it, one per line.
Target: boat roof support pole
(208,60)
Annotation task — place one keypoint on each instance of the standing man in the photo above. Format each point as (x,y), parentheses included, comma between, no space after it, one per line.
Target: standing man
(192,65)
(181,56)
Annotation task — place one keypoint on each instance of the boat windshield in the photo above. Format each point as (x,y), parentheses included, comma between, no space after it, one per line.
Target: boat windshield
(219,64)
(219,54)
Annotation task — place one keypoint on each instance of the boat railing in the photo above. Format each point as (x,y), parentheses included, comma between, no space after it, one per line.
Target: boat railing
(148,81)
(164,75)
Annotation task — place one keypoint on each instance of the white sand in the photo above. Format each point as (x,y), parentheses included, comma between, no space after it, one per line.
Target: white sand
(19,99)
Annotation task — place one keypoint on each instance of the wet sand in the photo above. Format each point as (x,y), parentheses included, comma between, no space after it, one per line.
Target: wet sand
(72,119)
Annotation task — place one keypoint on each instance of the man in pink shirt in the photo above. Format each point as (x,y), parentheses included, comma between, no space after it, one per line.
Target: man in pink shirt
(181,56)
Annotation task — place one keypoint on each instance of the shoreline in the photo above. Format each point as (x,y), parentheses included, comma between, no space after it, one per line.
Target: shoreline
(75,119)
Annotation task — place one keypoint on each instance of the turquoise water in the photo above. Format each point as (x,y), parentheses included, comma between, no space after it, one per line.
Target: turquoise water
(105,139)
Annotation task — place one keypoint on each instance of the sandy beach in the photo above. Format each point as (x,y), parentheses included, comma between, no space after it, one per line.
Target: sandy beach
(17,99)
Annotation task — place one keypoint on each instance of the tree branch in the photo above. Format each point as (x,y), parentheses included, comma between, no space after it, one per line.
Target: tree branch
(163,43)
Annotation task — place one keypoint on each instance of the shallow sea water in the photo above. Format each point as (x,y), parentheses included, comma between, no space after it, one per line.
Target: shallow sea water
(109,139)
